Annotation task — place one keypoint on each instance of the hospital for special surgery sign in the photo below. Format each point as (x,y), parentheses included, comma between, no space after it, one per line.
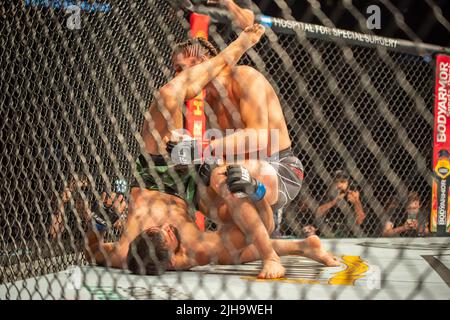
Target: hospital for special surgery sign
(440,220)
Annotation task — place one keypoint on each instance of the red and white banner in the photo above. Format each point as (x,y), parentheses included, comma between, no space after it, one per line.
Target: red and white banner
(195,111)
(199,25)
(440,218)
(441,106)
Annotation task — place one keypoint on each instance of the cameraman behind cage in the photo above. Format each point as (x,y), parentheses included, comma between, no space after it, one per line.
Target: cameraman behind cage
(341,209)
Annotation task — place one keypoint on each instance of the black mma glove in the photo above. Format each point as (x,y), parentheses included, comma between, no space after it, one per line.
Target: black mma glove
(101,214)
(205,169)
(242,184)
(204,172)
(184,152)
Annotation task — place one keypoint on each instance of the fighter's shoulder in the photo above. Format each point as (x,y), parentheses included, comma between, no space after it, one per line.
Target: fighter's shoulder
(243,70)
(247,74)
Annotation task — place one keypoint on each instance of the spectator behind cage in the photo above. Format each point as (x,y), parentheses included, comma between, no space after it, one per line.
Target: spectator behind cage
(340,213)
(308,224)
(406,218)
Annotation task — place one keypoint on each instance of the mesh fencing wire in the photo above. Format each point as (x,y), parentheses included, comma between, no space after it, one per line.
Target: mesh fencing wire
(355,109)
(339,123)
(74,94)
(72,102)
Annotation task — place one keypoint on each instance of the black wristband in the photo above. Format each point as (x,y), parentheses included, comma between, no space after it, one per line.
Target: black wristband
(205,170)
(101,219)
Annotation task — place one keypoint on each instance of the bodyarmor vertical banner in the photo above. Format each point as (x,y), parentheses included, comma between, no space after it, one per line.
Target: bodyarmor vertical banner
(195,113)
(440,220)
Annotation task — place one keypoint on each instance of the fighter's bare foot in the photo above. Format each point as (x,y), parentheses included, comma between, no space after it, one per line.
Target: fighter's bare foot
(272,269)
(251,35)
(314,250)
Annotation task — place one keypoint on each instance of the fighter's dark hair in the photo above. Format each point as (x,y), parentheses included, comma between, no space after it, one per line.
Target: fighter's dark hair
(196,47)
(148,254)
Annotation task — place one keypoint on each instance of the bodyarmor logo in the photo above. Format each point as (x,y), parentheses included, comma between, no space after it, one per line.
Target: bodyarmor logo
(201,34)
(443,171)
(442,100)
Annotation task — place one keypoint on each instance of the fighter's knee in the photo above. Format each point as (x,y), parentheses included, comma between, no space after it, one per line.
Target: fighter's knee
(253,167)
(271,184)
(265,176)
(218,181)
(263,172)
(270,181)
(270,227)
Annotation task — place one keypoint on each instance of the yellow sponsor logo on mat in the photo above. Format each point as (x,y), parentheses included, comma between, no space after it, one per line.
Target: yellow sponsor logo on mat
(352,272)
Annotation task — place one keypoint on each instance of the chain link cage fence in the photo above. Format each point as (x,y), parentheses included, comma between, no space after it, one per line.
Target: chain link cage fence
(77,79)
(340,123)
(73,99)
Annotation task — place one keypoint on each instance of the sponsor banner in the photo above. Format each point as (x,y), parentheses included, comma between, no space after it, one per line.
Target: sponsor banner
(353,271)
(322,31)
(314,31)
(195,111)
(195,116)
(440,220)
(265,21)
(86,6)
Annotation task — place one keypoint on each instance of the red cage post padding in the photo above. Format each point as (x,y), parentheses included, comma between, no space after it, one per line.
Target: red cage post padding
(195,112)
(440,218)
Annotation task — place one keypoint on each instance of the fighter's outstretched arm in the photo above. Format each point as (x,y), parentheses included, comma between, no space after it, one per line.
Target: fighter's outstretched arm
(191,81)
(96,250)
(99,252)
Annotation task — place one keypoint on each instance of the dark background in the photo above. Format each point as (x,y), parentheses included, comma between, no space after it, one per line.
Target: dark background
(418,16)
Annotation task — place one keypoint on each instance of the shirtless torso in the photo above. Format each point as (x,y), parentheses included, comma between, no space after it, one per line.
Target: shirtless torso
(225,246)
(160,209)
(243,98)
